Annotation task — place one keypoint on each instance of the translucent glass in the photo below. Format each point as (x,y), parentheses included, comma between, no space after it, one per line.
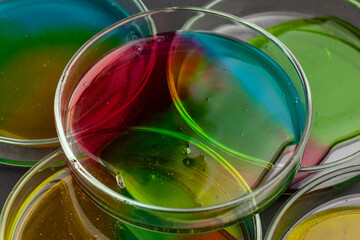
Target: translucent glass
(182,140)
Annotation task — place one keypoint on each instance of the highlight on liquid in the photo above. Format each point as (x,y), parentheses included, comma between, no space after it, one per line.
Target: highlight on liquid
(328,50)
(332,224)
(184,119)
(37,40)
(59,209)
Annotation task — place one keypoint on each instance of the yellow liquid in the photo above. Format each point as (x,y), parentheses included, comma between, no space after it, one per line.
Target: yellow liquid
(59,210)
(334,224)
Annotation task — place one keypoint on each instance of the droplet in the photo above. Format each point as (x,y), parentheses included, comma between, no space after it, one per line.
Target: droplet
(187,151)
(120,181)
(85,84)
(318,114)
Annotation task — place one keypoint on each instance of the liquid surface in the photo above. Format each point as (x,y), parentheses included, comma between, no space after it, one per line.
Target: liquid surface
(79,218)
(185,119)
(36,42)
(333,224)
(328,50)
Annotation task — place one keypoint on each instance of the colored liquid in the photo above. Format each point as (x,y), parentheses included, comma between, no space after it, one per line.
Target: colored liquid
(328,50)
(185,119)
(36,42)
(333,224)
(59,209)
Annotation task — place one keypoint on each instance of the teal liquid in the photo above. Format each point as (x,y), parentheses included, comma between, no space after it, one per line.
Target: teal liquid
(37,40)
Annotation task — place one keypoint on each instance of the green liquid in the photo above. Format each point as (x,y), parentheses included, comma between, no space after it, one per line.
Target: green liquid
(328,50)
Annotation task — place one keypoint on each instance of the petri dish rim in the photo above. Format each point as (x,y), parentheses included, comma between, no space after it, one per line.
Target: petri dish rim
(294,161)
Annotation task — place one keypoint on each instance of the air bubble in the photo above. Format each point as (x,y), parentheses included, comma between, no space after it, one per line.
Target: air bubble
(187,151)
(120,181)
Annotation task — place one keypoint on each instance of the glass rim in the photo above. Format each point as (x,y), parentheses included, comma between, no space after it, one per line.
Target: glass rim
(18,186)
(43,163)
(294,159)
(275,221)
(29,142)
(326,166)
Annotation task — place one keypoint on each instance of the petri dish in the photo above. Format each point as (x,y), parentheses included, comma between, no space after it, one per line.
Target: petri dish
(182,130)
(328,207)
(324,37)
(48,204)
(37,41)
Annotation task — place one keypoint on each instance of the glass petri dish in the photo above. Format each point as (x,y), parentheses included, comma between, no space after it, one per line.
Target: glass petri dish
(324,37)
(330,201)
(48,204)
(40,38)
(148,115)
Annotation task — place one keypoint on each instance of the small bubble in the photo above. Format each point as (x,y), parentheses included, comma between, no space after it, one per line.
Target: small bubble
(120,181)
(318,114)
(44,65)
(207,99)
(161,38)
(188,162)
(76,164)
(247,109)
(283,95)
(241,134)
(85,84)
(187,151)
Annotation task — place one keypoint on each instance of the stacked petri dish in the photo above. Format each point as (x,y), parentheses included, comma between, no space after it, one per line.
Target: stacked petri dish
(185,122)
(324,37)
